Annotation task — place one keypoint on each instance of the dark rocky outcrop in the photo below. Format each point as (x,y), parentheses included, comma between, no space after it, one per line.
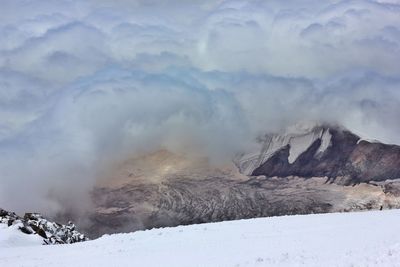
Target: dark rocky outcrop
(346,161)
(51,232)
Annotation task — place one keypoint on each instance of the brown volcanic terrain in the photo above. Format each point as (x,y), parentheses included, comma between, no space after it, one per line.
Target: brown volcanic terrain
(163,189)
(186,201)
(313,170)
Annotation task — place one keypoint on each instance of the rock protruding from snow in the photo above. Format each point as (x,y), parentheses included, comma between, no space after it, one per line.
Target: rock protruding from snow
(35,224)
(297,138)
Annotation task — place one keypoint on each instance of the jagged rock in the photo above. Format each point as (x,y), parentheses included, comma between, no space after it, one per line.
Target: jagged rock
(7,217)
(51,232)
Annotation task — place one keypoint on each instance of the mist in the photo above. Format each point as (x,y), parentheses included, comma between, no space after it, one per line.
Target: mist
(84,84)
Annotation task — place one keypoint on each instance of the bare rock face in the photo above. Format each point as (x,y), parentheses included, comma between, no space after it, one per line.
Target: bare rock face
(346,160)
(165,190)
(374,162)
(51,232)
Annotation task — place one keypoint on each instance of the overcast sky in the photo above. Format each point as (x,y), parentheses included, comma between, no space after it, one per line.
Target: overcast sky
(86,82)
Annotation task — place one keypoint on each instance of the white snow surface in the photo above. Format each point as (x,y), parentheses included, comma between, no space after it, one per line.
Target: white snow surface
(12,237)
(347,239)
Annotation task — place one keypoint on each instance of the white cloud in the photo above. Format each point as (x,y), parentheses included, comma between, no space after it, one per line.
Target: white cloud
(83,79)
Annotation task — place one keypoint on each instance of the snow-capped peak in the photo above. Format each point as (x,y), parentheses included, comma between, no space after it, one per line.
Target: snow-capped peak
(298,137)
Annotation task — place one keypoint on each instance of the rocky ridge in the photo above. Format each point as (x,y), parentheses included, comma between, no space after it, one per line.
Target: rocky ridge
(51,232)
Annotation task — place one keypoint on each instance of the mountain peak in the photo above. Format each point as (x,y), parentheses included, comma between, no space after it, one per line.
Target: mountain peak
(322,150)
(298,138)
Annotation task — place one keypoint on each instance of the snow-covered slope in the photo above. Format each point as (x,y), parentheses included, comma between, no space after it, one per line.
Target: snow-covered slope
(348,239)
(13,237)
(36,225)
(298,137)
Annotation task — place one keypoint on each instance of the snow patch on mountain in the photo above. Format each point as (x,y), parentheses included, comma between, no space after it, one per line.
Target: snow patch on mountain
(326,141)
(298,137)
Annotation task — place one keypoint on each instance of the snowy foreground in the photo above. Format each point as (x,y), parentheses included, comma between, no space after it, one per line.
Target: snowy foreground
(351,239)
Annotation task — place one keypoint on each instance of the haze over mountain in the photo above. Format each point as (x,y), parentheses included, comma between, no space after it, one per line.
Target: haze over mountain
(86,86)
(309,168)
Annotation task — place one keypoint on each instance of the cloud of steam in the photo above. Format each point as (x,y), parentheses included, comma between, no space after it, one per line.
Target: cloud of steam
(85,83)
